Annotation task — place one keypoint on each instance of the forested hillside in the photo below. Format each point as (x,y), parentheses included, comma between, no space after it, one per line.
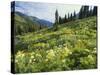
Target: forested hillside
(24,23)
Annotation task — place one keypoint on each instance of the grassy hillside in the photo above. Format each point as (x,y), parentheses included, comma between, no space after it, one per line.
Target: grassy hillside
(71,47)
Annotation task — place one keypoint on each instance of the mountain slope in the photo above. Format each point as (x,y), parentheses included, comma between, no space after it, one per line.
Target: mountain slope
(41,21)
(71,47)
(25,23)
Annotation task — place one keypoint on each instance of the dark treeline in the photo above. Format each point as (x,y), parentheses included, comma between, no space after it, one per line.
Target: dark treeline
(85,11)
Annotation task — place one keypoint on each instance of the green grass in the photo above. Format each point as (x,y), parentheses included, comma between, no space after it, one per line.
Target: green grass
(71,47)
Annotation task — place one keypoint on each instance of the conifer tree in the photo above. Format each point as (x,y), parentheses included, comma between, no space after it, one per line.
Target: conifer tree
(68,17)
(74,17)
(90,12)
(95,11)
(60,20)
(65,19)
(81,12)
(71,17)
(85,11)
(56,19)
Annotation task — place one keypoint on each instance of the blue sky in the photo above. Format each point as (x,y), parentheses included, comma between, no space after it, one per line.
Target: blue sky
(45,10)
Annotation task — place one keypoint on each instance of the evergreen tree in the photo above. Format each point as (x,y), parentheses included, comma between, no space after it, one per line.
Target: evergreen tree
(74,17)
(95,11)
(81,12)
(85,11)
(68,17)
(60,20)
(56,19)
(90,12)
(71,17)
(40,27)
(65,19)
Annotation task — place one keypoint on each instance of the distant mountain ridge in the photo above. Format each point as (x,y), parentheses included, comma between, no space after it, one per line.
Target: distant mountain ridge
(35,19)
(25,23)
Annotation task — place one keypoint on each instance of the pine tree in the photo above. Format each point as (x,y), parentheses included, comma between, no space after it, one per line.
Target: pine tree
(65,19)
(56,19)
(90,12)
(68,17)
(95,11)
(71,17)
(60,20)
(85,11)
(40,27)
(81,12)
(74,17)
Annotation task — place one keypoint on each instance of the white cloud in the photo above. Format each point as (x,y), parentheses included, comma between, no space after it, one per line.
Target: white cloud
(46,10)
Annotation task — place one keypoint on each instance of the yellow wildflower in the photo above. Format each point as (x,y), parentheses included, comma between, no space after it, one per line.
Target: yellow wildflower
(38,55)
(50,54)
(32,57)
(63,60)
(46,60)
